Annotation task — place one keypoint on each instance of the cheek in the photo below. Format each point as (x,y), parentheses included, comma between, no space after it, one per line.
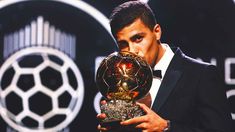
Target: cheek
(144,52)
(150,52)
(146,47)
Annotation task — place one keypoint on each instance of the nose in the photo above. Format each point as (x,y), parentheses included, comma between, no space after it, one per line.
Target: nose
(133,49)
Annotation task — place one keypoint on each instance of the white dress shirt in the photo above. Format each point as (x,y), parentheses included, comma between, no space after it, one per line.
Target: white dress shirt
(161,65)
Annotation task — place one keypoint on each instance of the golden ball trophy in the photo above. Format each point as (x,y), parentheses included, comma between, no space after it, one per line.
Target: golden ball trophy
(123,78)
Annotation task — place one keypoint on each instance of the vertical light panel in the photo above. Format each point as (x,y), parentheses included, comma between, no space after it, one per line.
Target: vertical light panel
(5,51)
(39,30)
(33,33)
(51,35)
(27,35)
(21,39)
(46,33)
(57,39)
(40,33)
(15,41)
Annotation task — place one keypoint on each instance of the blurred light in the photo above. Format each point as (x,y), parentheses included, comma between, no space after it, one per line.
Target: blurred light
(145,1)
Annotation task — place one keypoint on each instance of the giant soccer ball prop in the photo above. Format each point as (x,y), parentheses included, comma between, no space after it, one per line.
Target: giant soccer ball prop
(41,89)
(124,75)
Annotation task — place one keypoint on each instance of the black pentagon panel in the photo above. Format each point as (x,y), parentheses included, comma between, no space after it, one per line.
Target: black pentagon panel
(30,61)
(72,79)
(55,120)
(64,100)
(7,78)
(29,122)
(14,103)
(40,103)
(25,82)
(56,59)
(51,78)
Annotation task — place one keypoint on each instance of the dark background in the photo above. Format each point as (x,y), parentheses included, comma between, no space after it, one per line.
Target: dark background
(201,28)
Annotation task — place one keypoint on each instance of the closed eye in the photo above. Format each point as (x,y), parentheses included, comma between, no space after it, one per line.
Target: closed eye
(137,38)
(122,45)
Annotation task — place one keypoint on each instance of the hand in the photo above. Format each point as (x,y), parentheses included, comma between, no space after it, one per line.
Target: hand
(151,122)
(101,117)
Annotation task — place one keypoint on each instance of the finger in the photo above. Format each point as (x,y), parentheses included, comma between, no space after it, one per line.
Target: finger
(102,128)
(135,120)
(143,107)
(101,116)
(142,126)
(103,102)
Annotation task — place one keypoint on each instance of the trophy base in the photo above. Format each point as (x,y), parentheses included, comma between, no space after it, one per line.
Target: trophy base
(119,110)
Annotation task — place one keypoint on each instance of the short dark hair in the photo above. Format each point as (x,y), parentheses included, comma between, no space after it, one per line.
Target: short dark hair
(128,12)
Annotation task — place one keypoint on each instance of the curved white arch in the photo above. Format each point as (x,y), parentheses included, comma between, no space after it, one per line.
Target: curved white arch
(96,102)
(103,20)
(146,1)
(229,94)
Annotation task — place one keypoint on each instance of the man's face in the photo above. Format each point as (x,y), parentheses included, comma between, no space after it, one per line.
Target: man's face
(139,39)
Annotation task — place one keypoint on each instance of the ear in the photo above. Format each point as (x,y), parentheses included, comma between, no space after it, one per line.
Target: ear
(157,31)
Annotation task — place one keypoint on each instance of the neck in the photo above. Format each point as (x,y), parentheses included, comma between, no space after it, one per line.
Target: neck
(161,51)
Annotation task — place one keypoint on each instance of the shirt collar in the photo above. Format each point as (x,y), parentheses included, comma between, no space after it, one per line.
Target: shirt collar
(165,60)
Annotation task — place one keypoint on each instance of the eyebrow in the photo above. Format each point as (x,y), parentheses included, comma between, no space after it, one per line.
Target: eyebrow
(137,35)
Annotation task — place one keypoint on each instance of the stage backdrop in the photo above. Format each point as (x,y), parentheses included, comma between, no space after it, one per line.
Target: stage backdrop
(50,50)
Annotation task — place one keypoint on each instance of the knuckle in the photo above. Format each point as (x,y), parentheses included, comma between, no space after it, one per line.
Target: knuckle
(146,118)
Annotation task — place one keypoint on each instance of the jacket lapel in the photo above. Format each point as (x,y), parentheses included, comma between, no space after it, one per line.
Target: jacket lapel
(169,81)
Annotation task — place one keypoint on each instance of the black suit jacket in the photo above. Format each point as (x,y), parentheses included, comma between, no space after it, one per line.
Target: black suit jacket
(192,96)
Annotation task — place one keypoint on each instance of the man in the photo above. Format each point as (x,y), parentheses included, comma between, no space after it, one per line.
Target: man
(190,96)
